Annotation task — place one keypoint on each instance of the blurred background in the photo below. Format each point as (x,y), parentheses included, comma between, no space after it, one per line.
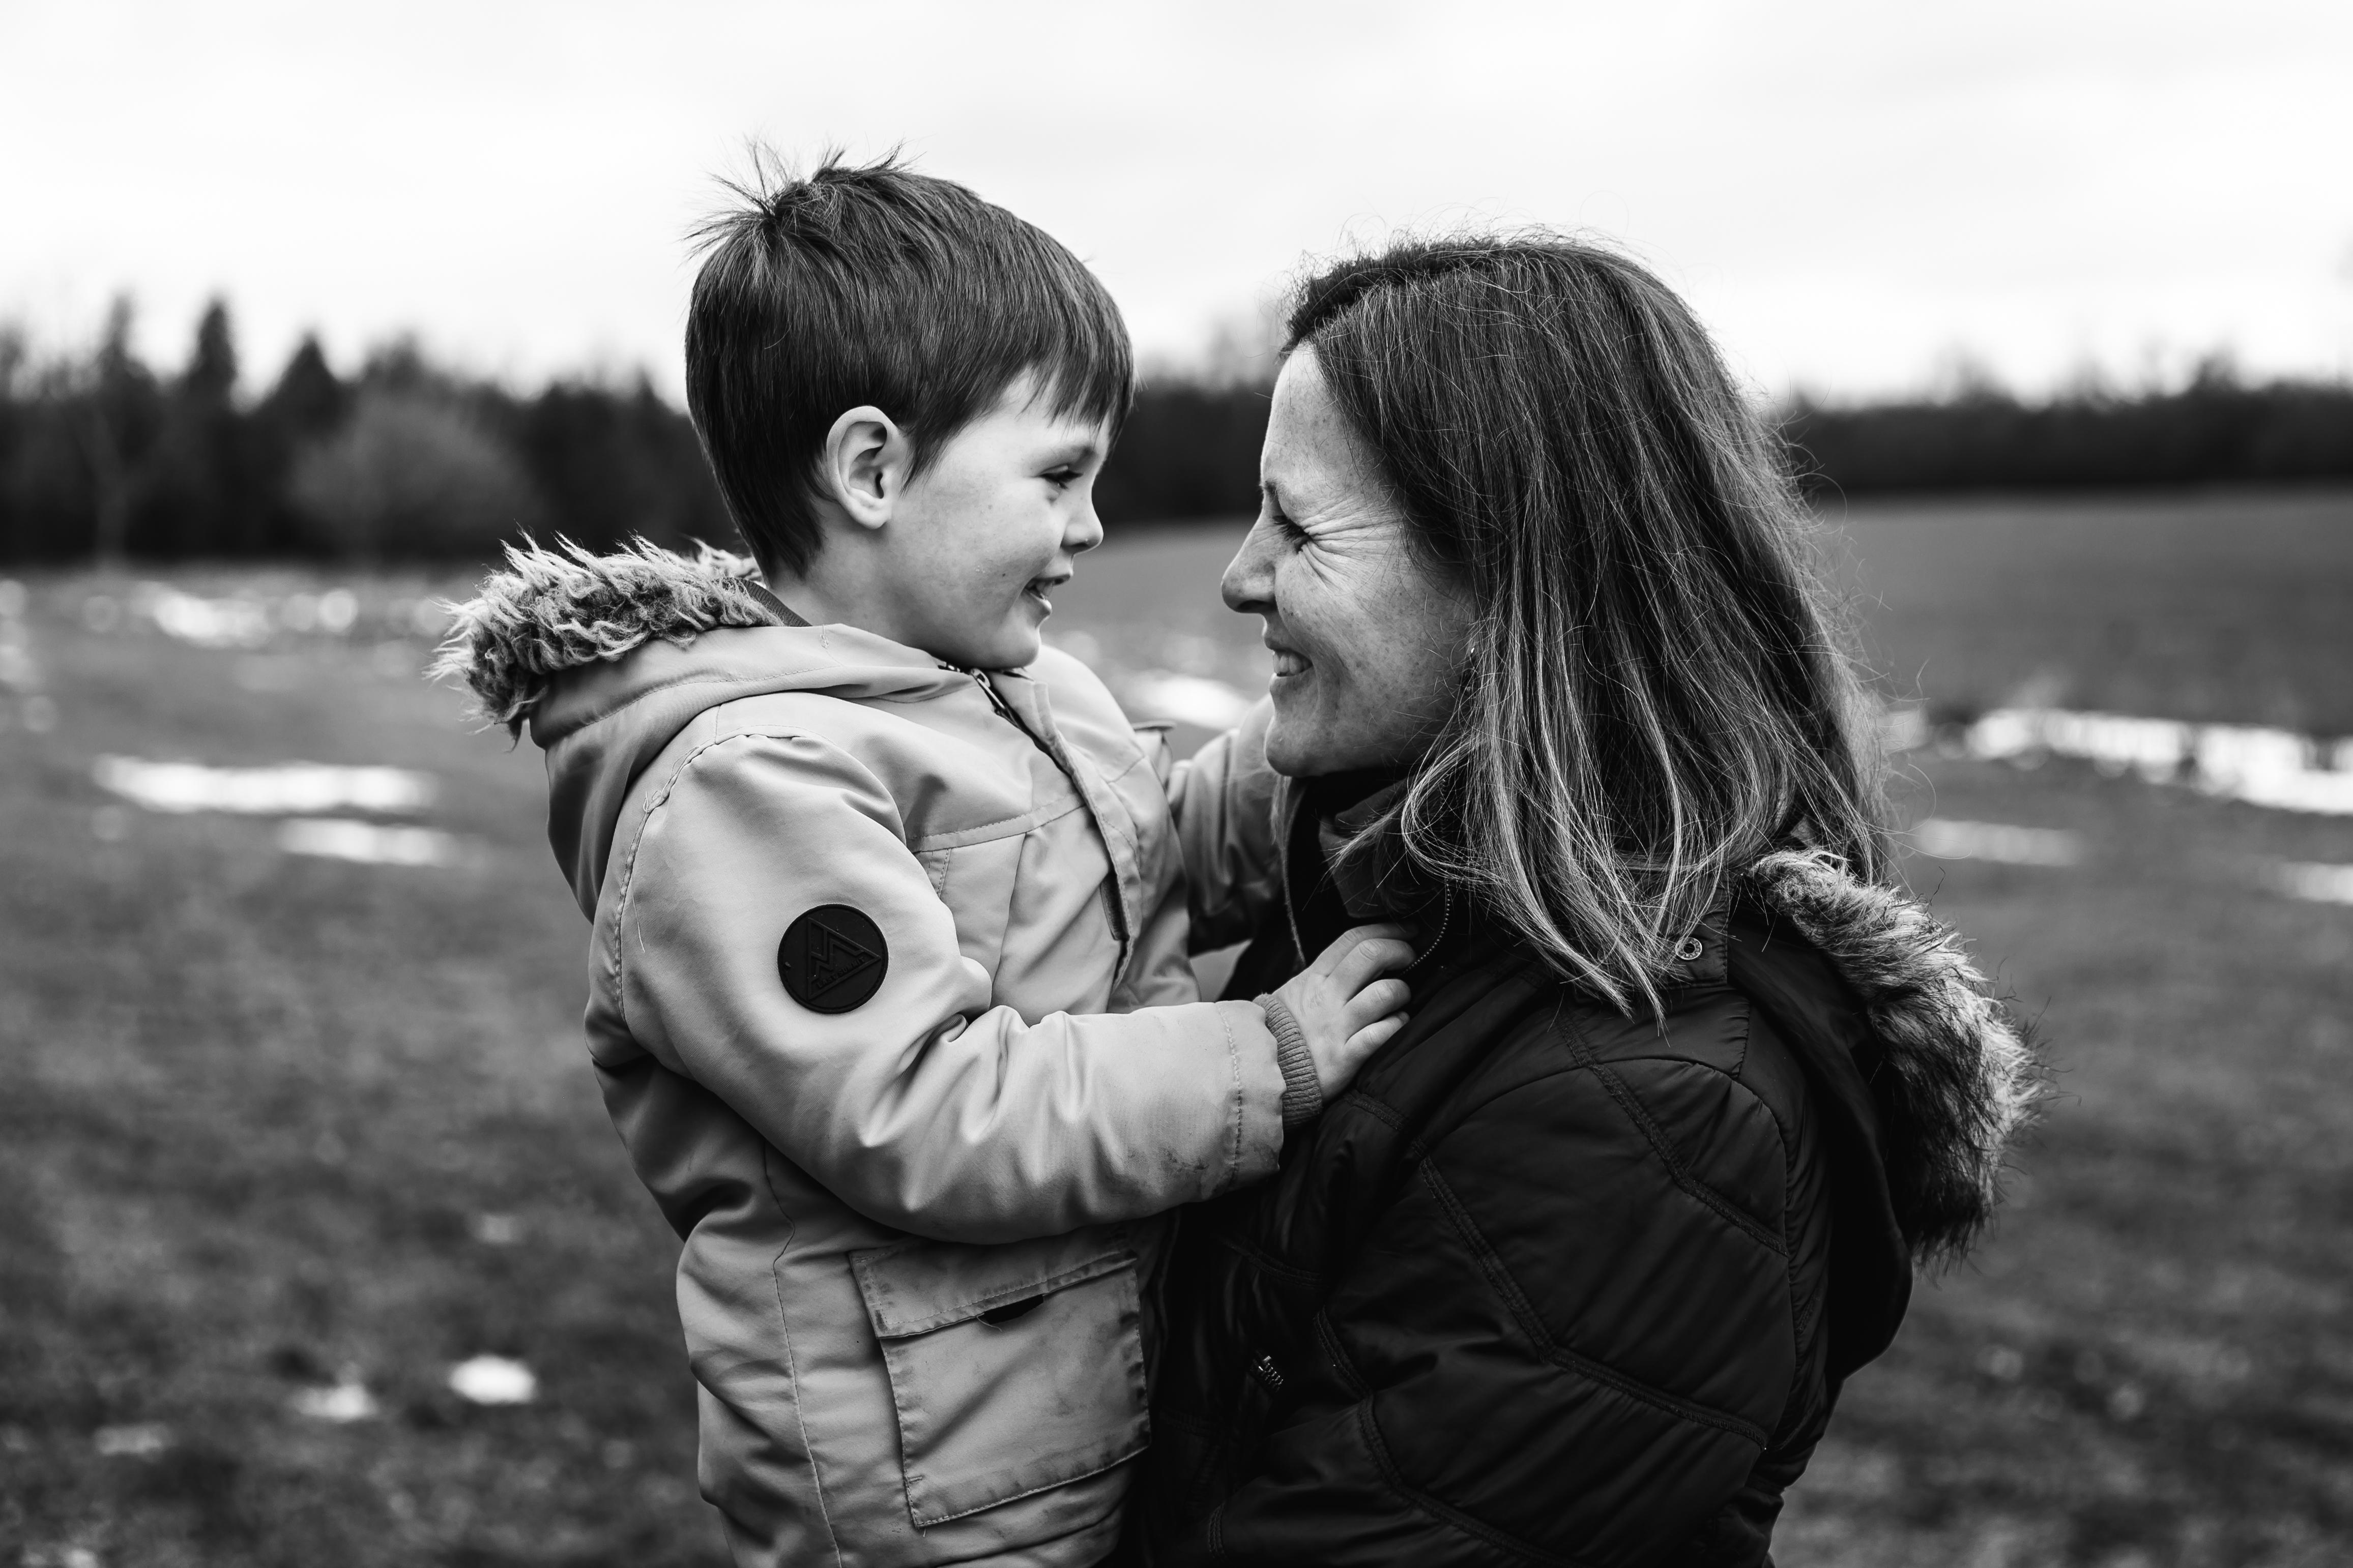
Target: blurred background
(315,1242)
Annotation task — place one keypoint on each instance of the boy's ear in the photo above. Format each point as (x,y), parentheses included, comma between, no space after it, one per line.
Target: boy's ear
(864,464)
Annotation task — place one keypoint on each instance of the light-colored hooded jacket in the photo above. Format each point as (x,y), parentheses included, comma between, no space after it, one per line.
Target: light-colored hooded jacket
(915,1230)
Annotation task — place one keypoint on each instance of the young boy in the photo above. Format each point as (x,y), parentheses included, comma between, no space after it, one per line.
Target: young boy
(890,996)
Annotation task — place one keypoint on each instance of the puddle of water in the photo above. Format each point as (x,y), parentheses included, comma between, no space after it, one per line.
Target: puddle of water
(1945,839)
(19,672)
(251,619)
(343,1401)
(291,787)
(369,843)
(2274,768)
(243,621)
(493,1380)
(2314,880)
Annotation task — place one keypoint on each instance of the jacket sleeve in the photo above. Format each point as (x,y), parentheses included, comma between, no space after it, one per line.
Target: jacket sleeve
(1550,1349)
(926,1107)
(1222,801)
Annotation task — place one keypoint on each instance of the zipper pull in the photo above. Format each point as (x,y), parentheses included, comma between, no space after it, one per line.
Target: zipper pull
(1003,709)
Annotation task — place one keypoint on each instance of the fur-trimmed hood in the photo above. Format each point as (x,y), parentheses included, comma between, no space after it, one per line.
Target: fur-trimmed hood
(552,611)
(607,658)
(1955,1079)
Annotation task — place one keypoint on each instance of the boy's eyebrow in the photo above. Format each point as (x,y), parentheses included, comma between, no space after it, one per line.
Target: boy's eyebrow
(1076,450)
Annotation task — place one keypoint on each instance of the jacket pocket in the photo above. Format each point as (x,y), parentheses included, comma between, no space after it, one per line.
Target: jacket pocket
(1013,1368)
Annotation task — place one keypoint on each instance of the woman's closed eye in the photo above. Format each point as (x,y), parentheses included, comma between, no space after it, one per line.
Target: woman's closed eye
(1284,524)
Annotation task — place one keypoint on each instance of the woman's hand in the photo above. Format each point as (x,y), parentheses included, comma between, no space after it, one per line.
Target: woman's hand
(1341,1007)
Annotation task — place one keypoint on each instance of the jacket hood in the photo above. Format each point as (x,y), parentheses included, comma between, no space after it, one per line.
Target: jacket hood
(1951,1079)
(607,658)
(554,611)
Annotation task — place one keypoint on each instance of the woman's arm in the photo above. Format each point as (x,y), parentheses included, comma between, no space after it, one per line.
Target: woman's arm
(1222,801)
(1555,1345)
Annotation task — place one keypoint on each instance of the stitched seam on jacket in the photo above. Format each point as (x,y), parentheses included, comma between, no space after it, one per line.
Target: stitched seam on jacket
(1268,1263)
(1491,1263)
(1394,1479)
(1017,825)
(1379,1109)
(1241,1107)
(1802,1311)
(695,677)
(661,797)
(1328,1336)
(629,880)
(1677,1170)
(792,1372)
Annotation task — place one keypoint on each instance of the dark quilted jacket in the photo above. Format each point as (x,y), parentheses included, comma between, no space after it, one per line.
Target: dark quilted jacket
(1551,1284)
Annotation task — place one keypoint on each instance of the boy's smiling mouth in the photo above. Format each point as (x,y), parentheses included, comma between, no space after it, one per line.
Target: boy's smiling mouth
(1039,588)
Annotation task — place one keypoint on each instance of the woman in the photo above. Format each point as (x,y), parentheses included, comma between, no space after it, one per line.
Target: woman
(1574,1272)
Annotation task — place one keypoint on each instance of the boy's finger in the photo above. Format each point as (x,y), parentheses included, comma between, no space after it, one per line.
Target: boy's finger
(1374,1035)
(1374,956)
(1348,940)
(1378,1000)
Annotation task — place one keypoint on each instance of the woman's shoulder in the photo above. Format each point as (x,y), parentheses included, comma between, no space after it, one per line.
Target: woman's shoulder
(1520,1078)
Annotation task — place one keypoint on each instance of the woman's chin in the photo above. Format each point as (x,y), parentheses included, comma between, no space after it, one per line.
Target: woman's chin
(1297,745)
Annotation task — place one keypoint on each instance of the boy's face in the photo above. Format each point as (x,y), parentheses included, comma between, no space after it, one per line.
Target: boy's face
(981,537)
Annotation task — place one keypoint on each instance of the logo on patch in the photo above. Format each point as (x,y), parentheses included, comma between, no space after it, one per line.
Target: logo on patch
(832,959)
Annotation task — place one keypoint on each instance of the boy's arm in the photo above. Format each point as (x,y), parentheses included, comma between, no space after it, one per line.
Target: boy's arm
(1222,801)
(923,1106)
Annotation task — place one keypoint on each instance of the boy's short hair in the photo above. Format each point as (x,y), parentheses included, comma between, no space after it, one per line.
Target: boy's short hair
(874,284)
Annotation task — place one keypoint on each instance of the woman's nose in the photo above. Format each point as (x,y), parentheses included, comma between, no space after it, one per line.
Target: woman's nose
(1248,586)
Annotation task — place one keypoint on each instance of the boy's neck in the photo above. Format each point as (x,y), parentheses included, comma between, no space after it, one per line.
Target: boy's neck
(841,590)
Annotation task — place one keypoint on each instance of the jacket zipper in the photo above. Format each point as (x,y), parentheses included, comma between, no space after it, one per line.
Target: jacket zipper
(1113,904)
(1291,910)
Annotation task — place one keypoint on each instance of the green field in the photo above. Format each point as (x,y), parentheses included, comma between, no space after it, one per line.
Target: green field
(271,1122)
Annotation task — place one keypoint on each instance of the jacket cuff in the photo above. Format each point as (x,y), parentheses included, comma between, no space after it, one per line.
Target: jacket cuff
(1302,1096)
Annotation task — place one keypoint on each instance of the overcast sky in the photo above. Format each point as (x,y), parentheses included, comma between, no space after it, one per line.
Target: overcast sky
(1857,196)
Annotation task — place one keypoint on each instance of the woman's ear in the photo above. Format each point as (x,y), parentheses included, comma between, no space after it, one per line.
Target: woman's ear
(864,466)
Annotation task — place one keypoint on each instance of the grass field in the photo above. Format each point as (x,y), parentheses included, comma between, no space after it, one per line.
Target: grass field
(273,1122)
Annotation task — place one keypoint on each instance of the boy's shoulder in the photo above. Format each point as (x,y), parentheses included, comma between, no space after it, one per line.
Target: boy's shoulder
(1085,711)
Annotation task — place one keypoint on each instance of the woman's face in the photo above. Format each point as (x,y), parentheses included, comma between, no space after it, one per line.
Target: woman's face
(1368,641)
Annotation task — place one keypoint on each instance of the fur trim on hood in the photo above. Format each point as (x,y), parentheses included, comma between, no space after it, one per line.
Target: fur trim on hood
(553,610)
(1957,1081)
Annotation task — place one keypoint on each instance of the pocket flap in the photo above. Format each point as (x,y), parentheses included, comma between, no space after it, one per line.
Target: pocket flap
(917,1287)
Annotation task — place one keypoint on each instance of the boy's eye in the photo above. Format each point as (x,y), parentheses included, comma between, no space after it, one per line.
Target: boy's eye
(1062,479)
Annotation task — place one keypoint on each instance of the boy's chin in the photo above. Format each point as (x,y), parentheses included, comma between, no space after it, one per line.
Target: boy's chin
(1013,647)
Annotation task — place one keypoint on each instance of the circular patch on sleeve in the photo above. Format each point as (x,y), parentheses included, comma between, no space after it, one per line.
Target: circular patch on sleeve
(832,959)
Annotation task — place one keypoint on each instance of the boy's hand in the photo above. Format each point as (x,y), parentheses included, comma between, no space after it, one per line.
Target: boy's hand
(1339,1010)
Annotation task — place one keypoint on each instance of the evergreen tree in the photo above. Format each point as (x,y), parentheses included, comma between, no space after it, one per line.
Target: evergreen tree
(305,408)
(119,417)
(310,400)
(207,495)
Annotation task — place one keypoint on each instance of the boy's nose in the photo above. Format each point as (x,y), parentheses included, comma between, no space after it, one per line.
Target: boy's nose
(1086,530)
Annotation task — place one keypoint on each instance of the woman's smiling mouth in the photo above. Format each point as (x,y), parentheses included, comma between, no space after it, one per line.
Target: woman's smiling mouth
(1287,662)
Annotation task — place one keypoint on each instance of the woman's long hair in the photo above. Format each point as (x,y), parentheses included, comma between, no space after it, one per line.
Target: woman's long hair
(1657,692)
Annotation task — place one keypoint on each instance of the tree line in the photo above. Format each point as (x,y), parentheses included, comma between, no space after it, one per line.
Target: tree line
(104,458)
